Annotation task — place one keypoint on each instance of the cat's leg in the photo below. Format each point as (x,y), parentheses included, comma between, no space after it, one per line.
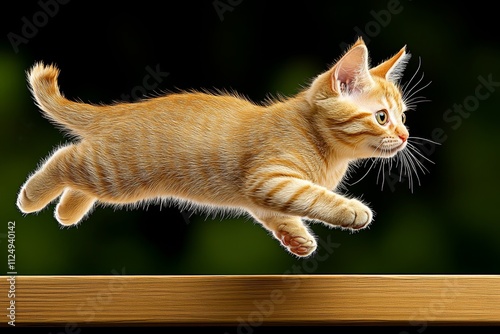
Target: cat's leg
(294,196)
(45,185)
(73,206)
(290,231)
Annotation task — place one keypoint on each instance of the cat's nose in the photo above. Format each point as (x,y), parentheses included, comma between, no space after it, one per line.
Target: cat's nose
(403,136)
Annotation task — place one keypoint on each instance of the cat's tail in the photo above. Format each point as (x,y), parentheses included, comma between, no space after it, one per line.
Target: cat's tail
(74,117)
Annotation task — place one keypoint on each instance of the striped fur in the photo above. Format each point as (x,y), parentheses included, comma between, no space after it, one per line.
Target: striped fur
(279,162)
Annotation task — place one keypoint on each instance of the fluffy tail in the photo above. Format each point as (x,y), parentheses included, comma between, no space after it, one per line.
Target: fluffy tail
(73,116)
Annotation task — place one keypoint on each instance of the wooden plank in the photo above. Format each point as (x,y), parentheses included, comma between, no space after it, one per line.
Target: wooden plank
(252,301)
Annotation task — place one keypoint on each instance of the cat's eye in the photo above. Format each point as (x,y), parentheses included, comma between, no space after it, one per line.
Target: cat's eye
(403,118)
(382,116)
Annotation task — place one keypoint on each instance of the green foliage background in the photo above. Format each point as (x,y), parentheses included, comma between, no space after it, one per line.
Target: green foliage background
(448,224)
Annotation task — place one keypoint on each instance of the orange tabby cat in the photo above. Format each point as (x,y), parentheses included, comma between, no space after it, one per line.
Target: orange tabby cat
(279,162)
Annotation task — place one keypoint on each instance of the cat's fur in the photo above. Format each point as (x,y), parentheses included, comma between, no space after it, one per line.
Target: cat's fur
(279,162)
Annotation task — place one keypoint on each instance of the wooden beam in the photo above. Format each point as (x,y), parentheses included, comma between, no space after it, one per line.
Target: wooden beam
(261,300)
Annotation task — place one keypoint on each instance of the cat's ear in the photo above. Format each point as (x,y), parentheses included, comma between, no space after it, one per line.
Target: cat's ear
(392,69)
(351,73)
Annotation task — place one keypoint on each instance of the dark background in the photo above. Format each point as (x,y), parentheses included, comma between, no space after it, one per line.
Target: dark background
(447,224)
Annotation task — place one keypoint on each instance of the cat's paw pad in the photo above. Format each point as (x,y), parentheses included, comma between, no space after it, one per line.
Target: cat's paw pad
(357,215)
(300,245)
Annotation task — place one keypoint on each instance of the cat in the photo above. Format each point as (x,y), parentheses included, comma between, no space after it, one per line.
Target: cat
(280,162)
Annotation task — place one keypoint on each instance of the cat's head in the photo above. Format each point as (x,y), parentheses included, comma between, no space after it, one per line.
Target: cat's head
(361,110)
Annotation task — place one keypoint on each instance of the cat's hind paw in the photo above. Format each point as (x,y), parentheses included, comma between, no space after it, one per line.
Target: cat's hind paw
(25,204)
(300,245)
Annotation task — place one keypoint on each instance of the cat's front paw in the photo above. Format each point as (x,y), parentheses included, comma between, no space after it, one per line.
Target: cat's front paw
(356,215)
(297,242)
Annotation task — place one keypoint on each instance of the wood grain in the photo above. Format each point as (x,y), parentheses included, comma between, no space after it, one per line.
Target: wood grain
(254,300)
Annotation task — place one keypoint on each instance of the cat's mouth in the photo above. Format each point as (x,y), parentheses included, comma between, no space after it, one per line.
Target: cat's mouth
(384,151)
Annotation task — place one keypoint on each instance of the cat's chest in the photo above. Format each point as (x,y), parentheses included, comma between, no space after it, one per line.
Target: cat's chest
(332,174)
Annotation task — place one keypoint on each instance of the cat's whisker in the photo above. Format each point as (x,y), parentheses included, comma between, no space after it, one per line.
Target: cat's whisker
(410,90)
(418,162)
(403,88)
(408,83)
(394,160)
(407,96)
(416,99)
(404,166)
(381,169)
(375,149)
(410,174)
(416,165)
(401,163)
(412,139)
(412,104)
(374,161)
(367,160)
(408,162)
(414,149)
(408,170)
(413,167)
(400,159)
